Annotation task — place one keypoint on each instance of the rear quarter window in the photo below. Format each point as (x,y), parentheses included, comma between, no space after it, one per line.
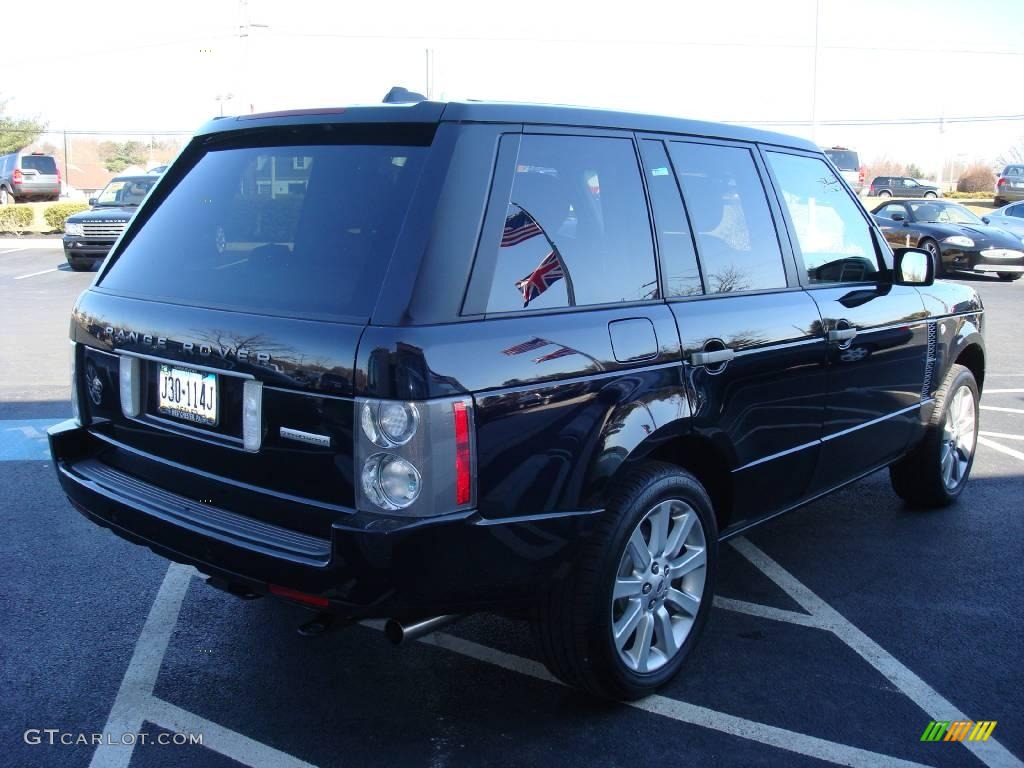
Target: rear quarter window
(292,230)
(576,231)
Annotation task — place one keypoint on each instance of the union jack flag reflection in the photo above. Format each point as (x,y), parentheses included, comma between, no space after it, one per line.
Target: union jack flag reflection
(519,227)
(547,273)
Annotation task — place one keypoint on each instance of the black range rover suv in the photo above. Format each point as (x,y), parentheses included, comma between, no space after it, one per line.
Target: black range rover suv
(415,361)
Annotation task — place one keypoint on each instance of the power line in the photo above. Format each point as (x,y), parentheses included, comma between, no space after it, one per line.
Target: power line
(887,121)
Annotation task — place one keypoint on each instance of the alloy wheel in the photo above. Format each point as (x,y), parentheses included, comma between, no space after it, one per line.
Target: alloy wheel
(659,586)
(958,437)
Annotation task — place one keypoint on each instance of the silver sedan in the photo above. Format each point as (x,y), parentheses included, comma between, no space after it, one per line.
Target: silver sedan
(1009,217)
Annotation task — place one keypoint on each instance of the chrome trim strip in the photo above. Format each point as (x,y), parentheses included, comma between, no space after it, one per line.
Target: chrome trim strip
(184,364)
(778,455)
(825,439)
(781,345)
(879,420)
(312,438)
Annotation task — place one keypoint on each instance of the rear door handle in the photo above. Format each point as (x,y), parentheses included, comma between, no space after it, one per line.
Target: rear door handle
(712,358)
(842,334)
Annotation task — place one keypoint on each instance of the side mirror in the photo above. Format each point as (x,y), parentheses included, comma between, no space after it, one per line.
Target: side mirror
(986,219)
(92,201)
(913,266)
(899,217)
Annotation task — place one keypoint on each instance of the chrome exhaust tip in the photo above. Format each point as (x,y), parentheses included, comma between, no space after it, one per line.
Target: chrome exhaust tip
(399,632)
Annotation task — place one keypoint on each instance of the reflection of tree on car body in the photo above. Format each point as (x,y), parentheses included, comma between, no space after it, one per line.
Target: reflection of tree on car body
(955,237)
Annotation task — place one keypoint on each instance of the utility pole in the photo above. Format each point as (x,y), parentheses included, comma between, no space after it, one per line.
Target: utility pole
(814,74)
(244,29)
(67,179)
(429,74)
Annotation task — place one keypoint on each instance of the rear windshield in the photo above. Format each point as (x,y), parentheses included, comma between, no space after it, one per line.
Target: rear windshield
(287,230)
(843,159)
(1014,170)
(42,163)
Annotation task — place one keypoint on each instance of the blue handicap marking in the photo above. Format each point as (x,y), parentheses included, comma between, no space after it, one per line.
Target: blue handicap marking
(25,439)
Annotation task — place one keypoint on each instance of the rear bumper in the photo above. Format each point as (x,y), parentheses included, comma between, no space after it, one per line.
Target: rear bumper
(1011,195)
(363,566)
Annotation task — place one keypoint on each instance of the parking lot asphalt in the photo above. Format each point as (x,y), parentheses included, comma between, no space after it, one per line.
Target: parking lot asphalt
(840,629)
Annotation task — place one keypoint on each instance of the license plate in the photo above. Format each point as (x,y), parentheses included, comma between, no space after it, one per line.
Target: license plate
(188,395)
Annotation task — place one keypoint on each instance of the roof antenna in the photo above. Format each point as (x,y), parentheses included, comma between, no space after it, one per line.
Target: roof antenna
(400,95)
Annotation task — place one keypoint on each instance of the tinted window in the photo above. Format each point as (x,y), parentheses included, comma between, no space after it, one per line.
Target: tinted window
(888,210)
(675,243)
(845,159)
(736,239)
(834,238)
(1016,210)
(297,230)
(42,163)
(576,227)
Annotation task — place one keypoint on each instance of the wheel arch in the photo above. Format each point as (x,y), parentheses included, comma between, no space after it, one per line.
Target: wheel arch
(700,455)
(971,355)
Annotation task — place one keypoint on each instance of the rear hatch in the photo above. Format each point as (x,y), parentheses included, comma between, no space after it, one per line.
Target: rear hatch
(39,175)
(258,260)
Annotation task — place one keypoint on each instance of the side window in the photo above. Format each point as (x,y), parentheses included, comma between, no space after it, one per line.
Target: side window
(909,183)
(576,228)
(888,211)
(1017,210)
(675,242)
(834,238)
(736,238)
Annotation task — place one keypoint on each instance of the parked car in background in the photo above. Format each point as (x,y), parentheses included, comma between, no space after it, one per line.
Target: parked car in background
(348,367)
(955,237)
(847,161)
(89,235)
(1009,217)
(25,177)
(1010,185)
(900,186)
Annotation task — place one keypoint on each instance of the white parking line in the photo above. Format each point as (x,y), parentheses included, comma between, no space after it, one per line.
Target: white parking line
(1001,410)
(1003,435)
(44,272)
(1001,448)
(136,704)
(991,753)
(791,741)
(1003,391)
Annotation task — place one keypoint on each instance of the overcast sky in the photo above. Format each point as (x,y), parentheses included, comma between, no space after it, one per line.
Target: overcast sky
(159,66)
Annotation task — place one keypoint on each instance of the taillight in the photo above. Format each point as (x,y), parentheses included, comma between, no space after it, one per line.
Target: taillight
(414,459)
(16,176)
(463,465)
(860,175)
(1001,182)
(58,175)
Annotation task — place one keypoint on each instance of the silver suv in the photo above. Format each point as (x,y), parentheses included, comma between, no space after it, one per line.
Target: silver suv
(1010,185)
(28,177)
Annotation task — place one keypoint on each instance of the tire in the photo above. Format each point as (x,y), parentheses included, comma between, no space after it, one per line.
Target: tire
(80,265)
(919,478)
(933,248)
(930,195)
(576,616)
(6,198)
(998,202)
(1008,277)
(885,193)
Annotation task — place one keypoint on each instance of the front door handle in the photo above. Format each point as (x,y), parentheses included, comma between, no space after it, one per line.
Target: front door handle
(713,357)
(842,334)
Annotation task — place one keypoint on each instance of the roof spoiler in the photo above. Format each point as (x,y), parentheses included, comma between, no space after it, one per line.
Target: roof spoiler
(400,95)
